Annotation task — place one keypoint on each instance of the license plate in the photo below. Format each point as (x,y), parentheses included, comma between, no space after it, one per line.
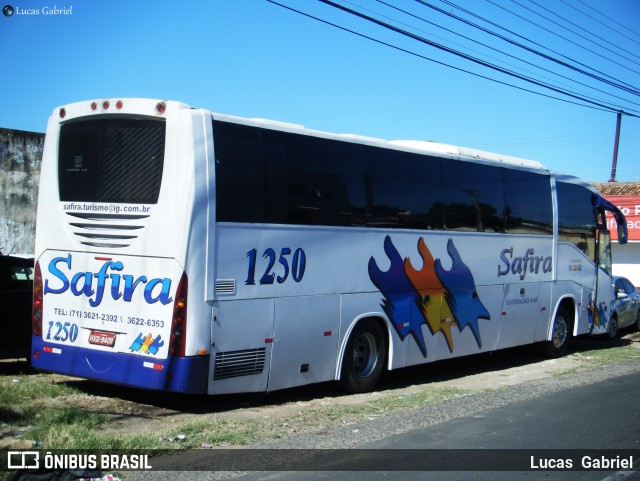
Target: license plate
(101,338)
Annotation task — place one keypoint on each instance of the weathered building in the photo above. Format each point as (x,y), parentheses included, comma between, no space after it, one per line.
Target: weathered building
(20,157)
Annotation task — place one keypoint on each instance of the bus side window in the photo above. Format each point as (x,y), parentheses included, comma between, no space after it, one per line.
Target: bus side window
(239,173)
(312,181)
(474,197)
(407,195)
(527,200)
(577,217)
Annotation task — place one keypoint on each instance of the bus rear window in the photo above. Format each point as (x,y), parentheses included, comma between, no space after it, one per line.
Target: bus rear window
(111,160)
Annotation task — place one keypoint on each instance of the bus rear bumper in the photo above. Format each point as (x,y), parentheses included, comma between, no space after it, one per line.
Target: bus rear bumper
(175,374)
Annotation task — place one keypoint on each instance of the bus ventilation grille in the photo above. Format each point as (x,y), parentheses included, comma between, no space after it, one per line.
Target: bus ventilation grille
(239,363)
(109,231)
(225,286)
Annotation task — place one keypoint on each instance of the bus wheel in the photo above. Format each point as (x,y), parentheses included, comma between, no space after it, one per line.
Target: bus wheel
(612,328)
(363,358)
(557,346)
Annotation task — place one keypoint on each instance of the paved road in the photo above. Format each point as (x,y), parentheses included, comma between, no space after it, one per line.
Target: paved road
(565,425)
(566,416)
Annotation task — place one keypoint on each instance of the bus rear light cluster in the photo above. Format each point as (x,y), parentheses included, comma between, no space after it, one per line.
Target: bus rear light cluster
(178,339)
(106,105)
(63,113)
(161,108)
(36,317)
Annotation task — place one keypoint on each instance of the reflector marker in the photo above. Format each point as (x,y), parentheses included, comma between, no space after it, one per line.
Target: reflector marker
(153,365)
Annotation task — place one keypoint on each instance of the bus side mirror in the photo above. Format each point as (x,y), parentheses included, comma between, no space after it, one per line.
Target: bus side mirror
(600,202)
(622,236)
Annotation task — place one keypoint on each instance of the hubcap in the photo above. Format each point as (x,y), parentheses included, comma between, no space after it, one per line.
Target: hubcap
(365,354)
(559,332)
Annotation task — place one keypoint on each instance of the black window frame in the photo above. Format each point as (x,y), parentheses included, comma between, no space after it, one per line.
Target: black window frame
(111,159)
(367,186)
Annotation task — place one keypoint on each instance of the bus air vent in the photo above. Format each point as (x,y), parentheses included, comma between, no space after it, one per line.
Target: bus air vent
(107,231)
(239,363)
(226,286)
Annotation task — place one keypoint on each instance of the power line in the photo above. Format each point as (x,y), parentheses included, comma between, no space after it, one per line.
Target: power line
(611,19)
(561,37)
(600,22)
(467,57)
(616,84)
(592,104)
(549,142)
(579,34)
(552,33)
(501,52)
(604,109)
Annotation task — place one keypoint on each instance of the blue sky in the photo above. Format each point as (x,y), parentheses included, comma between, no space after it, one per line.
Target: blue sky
(253,58)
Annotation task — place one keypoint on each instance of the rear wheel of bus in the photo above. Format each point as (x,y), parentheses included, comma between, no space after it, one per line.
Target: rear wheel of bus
(364,357)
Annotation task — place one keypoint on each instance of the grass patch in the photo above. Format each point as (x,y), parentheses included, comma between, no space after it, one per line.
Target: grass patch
(226,432)
(32,389)
(20,400)
(611,355)
(30,405)
(78,436)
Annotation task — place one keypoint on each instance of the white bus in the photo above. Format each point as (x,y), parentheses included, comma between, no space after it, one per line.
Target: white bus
(183,250)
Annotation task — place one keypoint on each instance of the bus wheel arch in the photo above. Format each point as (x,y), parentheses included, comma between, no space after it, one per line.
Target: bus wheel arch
(561,328)
(364,355)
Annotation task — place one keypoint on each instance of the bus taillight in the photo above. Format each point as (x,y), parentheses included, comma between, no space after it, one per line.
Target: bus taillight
(179,321)
(36,318)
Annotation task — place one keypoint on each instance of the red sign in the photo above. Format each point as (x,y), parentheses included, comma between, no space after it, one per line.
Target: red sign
(630,207)
(102,338)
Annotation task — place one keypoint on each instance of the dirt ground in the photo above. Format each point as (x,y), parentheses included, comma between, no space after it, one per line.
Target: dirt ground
(130,410)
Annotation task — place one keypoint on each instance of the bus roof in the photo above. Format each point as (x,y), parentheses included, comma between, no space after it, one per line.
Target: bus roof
(417,146)
(159,107)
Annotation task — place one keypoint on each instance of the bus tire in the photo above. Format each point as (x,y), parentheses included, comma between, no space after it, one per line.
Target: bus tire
(612,328)
(560,333)
(364,357)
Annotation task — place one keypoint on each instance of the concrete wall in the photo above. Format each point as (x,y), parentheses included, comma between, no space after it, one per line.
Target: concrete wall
(20,157)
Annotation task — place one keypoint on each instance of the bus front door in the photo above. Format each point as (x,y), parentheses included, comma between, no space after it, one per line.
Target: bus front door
(600,305)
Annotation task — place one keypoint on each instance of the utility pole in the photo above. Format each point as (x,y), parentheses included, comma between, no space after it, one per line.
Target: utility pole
(615,148)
